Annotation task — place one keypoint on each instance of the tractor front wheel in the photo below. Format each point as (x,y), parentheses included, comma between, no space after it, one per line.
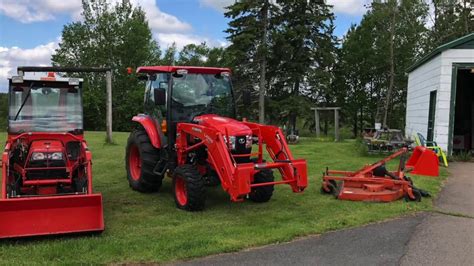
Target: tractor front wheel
(189,188)
(263,193)
(141,158)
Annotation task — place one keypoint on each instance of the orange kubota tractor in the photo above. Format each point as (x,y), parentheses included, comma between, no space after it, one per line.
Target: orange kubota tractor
(188,130)
(46,165)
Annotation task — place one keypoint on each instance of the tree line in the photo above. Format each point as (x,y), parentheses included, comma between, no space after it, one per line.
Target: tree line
(284,51)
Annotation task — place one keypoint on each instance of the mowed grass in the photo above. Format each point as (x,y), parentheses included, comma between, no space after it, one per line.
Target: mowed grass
(149,228)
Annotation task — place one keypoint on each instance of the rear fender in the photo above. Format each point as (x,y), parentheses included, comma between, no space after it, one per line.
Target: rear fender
(151,129)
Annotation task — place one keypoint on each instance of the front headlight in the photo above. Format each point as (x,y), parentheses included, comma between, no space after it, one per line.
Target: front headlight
(249,141)
(232,142)
(56,156)
(37,156)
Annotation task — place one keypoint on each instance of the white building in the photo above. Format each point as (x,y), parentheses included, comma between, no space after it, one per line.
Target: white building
(440,97)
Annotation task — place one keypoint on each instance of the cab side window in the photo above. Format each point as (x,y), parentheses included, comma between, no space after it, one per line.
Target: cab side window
(158,81)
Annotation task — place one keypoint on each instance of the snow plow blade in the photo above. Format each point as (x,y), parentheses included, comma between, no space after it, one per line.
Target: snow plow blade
(423,161)
(34,216)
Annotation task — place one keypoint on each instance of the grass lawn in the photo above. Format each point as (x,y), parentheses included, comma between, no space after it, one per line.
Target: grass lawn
(149,228)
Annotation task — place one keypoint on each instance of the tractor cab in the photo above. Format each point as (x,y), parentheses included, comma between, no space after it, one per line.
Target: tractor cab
(46,104)
(182,94)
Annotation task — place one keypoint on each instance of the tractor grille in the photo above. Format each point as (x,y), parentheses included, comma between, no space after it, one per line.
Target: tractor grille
(240,145)
(241,149)
(47,174)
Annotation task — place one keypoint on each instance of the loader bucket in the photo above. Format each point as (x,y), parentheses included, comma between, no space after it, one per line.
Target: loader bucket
(21,217)
(423,161)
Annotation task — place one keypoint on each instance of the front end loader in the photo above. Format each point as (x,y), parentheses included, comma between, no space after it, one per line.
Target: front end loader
(46,165)
(188,131)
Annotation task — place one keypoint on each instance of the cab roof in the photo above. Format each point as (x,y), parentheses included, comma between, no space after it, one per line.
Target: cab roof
(190,69)
(46,78)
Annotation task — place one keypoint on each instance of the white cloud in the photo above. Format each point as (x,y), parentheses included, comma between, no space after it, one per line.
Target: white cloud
(218,5)
(167,39)
(28,11)
(160,21)
(350,7)
(11,58)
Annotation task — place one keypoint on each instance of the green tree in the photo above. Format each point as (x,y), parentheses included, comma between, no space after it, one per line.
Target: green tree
(3,111)
(373,60)
(115,36)
(169,57)
(451,19)
(250,35)
(303,53)
(203,55)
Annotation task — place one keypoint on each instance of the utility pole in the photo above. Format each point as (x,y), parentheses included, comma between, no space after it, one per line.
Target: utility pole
(263,65)
(108,78)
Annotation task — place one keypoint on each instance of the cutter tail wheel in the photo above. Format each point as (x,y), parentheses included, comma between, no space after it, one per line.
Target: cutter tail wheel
(331,188)
(189,188)
(141,158)
(416,195)
(263,193)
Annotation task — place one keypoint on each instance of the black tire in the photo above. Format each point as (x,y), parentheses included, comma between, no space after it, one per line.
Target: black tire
(417,195)
(146,180)
(195,188)
(262,194)
(332,188)
(80,185)
(14,188)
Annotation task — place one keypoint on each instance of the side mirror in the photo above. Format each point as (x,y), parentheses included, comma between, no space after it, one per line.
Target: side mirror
(246,98)
(160,96)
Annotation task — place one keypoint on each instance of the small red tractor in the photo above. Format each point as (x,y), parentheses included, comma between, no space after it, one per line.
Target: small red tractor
(375,183)
(46,165)
(188,131)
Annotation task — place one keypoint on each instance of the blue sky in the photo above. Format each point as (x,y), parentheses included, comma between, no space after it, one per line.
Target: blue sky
(30,29)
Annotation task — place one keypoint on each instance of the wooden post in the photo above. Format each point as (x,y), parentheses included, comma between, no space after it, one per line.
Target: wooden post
(108,77)
(336,124)
(316,123)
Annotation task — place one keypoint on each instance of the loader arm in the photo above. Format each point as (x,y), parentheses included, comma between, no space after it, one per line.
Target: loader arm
(237,178)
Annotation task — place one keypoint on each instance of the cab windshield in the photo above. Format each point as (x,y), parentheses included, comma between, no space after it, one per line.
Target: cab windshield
(196,94)
(37,106)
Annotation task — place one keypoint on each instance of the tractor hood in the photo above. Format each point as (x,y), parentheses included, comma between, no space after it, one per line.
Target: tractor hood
(227,126)
(46,146)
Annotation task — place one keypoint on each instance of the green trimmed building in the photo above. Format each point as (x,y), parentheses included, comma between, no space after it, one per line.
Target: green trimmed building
(440,96)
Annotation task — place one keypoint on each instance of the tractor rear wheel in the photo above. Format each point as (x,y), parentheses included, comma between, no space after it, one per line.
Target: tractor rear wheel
(264,193)
(189,188)
(141,158)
